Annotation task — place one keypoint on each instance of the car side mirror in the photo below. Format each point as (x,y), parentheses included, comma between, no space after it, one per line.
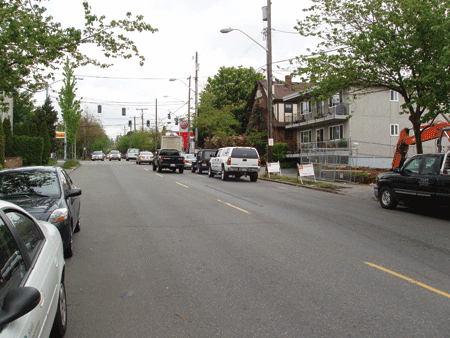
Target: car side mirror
(17,303)
(397,170)
(74,192)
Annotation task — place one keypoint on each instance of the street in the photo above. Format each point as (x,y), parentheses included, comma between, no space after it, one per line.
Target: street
(185,255)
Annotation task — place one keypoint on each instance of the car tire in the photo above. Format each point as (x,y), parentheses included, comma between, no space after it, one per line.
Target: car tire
(60,324)
(159,169)
(387,198)
(109,160)
(154,167)
(193,169)
(68,252)
(210,172)
(77,227)
(199,171)
(181,170)
(253,177)
(224,174)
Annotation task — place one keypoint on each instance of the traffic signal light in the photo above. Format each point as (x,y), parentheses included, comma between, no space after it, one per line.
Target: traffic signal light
(129,123)
(99,108)
(168,115)
(124,111)
(148,123)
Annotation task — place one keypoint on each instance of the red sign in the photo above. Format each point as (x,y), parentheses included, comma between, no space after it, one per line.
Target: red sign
(184,135)
(184,125)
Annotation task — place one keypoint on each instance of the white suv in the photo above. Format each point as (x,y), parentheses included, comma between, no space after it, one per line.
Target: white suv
(132,154)
(235,161)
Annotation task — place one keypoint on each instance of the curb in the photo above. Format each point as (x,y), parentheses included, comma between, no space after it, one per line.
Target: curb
(304,186)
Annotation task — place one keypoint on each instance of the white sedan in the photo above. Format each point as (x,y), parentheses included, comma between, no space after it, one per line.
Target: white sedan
(188,159)
(32,291)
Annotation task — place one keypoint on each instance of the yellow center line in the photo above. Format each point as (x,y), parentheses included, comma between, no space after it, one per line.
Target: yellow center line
(159,175)
(182,184)
(409,280)
(235,207)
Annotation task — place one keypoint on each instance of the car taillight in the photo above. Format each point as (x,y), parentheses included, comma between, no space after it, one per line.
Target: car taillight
(229,161)
(186,161)
(259,162)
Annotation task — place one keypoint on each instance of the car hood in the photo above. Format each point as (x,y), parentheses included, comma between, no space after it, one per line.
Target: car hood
(39,207)
(387,175)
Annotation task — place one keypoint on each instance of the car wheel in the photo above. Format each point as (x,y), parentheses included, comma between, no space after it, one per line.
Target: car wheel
(154,167)
(387,198)
(199,171)
(77,227)
(109,160)
(253,177)
(181,170)
(224,175)
(210,172)
(193,169)
(159,169)
(60,323)
(68,252)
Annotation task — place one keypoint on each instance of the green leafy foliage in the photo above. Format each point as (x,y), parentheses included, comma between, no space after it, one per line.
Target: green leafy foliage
(47,149)
(400,45)
(29,148)
(31,42)
(9,146)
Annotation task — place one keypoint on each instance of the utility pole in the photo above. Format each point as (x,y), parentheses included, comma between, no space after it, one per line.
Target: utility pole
(269,80)
(196,100)
(189,118)
(156,125)
(142,117)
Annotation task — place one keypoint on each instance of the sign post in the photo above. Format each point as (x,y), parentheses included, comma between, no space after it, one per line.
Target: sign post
(62,134)
(305,170)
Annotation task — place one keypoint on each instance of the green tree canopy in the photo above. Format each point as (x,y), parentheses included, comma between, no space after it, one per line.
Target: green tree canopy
(232,88)
(401,45)
(31,42)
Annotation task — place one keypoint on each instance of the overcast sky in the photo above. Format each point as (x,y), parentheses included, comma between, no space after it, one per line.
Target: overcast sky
(185,27)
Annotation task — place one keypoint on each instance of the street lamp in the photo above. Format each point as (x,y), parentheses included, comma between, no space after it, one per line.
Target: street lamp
(189,112)
(269,72)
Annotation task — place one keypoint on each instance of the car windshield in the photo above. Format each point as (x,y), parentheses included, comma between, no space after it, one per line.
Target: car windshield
(146,153)
(169,153)
(114,151)
(33,182)
(191,156)
(208,154)
(97,153)
(244,153)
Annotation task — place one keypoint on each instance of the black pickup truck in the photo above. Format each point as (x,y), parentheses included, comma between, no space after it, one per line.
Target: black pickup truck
(423,178)
(201,162)
(168,159)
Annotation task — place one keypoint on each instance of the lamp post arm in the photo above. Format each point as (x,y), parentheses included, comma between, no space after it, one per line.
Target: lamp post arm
(227,30)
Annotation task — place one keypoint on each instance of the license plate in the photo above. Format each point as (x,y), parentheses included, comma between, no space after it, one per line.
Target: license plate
(172,165)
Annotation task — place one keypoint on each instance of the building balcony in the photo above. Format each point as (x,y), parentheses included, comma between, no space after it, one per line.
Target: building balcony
(330,115)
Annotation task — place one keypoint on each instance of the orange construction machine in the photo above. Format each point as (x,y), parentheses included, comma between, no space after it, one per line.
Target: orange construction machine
(431,131)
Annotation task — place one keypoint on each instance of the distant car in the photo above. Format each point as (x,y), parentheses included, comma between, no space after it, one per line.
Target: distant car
(145,157)
(188,159)
(132,154)
(115,155)
(97,155)
(48,194)
(202,160)
(32,291)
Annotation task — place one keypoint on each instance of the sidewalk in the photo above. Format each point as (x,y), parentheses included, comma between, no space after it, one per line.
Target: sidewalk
(363,191)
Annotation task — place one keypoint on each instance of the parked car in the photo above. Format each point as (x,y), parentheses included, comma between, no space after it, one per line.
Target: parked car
(235,161)
(115,155)
(97,155)
(48,194)
(145,157)
(423,180)
(188,159)
(32,291)
(132,154)
(202,160)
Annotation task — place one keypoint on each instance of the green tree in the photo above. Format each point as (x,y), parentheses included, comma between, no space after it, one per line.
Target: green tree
(7,132)
(2,146)
(70,107)
(214,121)
(43,133)
(32,42)
(23,106)
(48,115)
(232,88)
(400,45)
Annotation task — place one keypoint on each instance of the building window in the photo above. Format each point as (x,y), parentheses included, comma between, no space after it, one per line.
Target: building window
(305,136)
(394,130)
(288,135)
(335,99)
(288,107)
(337,132)
(394,95)
(319,106)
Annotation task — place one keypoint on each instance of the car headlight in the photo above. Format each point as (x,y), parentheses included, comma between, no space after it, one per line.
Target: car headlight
(58,215)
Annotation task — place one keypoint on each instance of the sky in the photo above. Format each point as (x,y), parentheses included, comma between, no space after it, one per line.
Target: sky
(185,27)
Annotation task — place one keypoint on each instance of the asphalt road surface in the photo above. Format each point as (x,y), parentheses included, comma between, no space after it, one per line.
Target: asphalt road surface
(185,255)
